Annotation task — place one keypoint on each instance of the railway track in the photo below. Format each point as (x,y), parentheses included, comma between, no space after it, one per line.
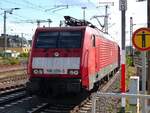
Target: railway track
(17,98)
(22,103)
(86,105)
(11,89)
(11,96)
(13,79)
(11,69)
(79,103)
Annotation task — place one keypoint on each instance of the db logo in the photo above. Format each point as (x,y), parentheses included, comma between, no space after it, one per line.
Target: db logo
(56,54)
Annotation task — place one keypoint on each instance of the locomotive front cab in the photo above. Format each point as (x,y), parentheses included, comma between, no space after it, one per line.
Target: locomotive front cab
(55,60)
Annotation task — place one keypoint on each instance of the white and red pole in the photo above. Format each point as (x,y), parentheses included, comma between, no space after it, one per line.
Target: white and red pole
(123,80)
(123,8)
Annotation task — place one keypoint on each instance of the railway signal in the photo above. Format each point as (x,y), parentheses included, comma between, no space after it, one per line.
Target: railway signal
(141,39)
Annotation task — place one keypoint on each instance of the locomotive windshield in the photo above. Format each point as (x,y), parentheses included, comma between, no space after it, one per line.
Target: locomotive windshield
(62,39)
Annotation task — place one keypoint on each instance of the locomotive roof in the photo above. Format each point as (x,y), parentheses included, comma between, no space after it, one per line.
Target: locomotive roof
(60,28)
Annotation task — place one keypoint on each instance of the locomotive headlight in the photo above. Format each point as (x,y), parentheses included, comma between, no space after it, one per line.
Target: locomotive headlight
(76,72)
(73,72)
(37,71)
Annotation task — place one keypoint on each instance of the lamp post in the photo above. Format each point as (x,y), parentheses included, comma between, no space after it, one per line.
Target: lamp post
(5,12)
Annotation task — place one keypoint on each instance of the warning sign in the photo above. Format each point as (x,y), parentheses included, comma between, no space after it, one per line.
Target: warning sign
(141,39)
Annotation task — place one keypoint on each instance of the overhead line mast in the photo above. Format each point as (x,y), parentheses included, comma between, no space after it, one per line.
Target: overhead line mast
(107,4)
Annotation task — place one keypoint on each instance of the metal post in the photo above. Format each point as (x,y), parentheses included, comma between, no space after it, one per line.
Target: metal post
(49,22)
(123,8)
(123,61)
(21,39)
(148,25)
(131,33)
(144,80)
(106,19)
(84,13)
(38,23)
(5,37)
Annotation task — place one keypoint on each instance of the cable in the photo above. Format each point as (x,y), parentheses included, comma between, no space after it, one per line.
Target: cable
(12,2)
(24,5)
(22,17)
(35,6)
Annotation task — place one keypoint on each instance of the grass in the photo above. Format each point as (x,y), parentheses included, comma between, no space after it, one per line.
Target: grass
(131,71)
(11,61)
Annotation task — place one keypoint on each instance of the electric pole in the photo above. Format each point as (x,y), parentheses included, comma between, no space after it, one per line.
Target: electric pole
(106,19)
(49,22)
(42,21)
(107,4)
(5,37)
(131,33)
(84,13)
(22,40)
(9,11)
(148,25)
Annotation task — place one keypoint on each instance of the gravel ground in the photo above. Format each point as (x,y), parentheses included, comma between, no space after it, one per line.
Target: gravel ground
(11,67)
(109,104)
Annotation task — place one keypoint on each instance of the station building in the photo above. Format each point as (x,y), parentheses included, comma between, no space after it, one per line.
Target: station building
(15,44)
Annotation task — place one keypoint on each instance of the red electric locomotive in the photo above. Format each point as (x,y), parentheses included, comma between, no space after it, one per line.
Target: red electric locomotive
(68,59)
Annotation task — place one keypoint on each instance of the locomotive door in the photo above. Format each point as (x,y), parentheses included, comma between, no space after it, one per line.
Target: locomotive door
(92,62)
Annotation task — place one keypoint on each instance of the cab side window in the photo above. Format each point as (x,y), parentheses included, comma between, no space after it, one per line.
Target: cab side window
(93,40)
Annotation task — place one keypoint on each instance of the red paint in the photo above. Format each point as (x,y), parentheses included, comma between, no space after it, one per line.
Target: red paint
(123,90)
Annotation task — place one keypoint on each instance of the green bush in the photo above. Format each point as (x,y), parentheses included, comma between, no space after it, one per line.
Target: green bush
(5,62)
(24,55)
(137,53)
(129,61)
(14,61)
(9,61)
(1,54)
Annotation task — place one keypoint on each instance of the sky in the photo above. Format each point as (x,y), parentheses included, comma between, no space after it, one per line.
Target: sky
(23,21)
